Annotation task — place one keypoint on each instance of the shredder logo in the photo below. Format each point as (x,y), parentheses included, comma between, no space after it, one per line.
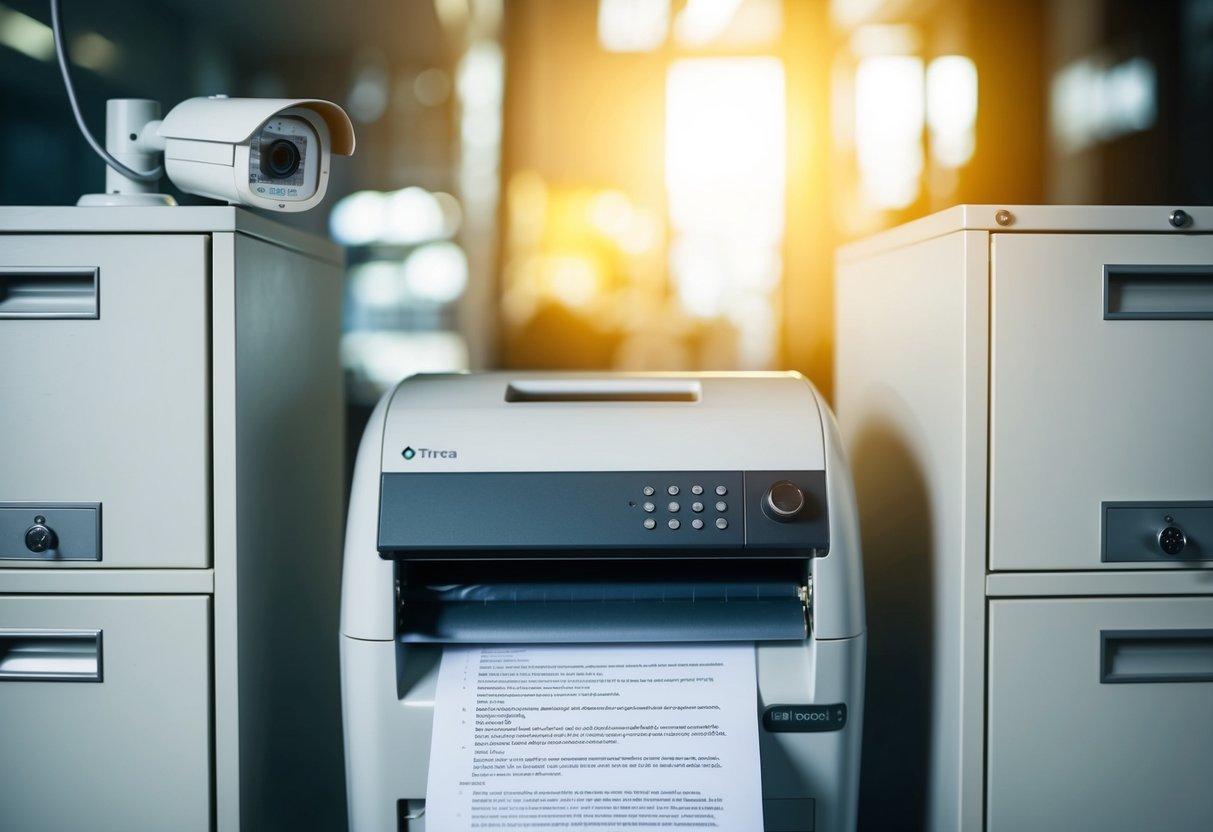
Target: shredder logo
(428,453)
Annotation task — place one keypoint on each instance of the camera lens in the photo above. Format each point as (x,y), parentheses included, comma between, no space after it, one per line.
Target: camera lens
(280,160)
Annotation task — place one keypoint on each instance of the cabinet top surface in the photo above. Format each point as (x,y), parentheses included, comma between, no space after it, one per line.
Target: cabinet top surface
(1056,219)
(196,219)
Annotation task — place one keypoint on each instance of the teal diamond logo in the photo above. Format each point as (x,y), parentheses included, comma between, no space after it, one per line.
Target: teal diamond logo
(408,453)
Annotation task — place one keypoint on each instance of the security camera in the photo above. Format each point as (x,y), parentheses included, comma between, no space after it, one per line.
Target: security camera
(264,152)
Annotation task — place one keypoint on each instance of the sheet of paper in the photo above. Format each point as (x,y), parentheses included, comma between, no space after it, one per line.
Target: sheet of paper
(595,737)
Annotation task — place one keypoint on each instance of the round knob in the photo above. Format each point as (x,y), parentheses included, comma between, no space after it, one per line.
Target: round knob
(783,501)
(1172,540)
(39,538)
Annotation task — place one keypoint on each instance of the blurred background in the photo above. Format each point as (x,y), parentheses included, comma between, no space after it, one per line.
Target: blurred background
(638,184)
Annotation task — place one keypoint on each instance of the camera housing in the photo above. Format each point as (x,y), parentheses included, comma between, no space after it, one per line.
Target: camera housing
(265,152)
(270,153)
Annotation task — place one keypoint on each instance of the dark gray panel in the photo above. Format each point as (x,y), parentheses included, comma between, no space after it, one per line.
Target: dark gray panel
(74,531)
(1157,531)
(808,529)
(581,513)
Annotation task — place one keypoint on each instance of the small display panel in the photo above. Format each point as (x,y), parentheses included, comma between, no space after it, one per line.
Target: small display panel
(804,718)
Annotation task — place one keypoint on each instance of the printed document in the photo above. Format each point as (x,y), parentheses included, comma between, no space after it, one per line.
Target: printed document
(595,737)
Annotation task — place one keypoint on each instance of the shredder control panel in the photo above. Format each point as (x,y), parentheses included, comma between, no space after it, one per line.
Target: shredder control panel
(435,515)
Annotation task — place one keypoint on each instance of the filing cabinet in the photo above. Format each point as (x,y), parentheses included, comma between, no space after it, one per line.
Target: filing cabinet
(119,399)
(106,727)
(1090,405)
(1099,713)
(1025,392)
(170,521)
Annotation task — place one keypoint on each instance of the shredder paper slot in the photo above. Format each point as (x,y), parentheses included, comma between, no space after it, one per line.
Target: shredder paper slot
(603,612)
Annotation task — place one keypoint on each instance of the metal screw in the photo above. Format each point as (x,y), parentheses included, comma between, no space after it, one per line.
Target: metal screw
(1004,217)
(1179,218)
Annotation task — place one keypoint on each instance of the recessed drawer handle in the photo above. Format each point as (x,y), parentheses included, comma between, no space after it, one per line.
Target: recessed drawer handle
(1158,293)
(50,655)
(1132,656)
(37,292)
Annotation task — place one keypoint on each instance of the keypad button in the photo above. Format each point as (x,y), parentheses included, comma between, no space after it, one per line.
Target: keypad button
(696,489)
(697,523)
(721,523)
(674,523)
(721,491)
(673,507)
(721,505)
(672,491)
(650,508)
(649,491)
(696,507)
(650,523)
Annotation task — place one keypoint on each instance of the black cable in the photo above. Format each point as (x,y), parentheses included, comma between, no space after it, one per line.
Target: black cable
(61,54)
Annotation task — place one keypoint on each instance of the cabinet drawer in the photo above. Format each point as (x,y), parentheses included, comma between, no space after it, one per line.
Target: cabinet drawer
(1101,394)
(105,704)
(104,364)
(1099,714)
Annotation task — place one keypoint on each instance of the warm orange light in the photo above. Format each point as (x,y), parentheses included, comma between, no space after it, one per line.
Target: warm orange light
(573,247)
(952,109)
(889,120)
(725,152)
(725,180)
(633,25)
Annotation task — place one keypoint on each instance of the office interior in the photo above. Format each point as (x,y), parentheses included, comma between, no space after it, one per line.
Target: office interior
(643,185)
(558,184)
